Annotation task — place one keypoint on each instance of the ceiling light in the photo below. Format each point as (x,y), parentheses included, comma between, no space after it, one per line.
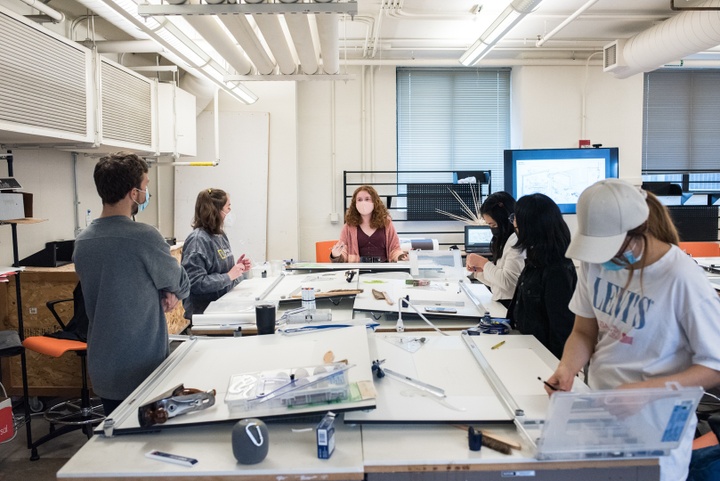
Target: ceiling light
(505,22)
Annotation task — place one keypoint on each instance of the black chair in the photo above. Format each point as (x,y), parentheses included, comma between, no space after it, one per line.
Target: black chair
(82,413)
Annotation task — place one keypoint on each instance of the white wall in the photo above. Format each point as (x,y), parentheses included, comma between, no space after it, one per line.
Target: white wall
(308,153)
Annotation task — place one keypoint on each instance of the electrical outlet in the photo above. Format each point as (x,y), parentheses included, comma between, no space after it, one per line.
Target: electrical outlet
(32,310)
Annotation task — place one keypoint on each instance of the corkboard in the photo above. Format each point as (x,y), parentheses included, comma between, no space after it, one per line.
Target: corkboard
(48,376)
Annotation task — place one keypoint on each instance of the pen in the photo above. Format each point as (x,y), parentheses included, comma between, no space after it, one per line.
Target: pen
(548,384)
(498,345)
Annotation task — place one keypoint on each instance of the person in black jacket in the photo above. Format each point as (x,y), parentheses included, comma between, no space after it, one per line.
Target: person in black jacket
(546,284)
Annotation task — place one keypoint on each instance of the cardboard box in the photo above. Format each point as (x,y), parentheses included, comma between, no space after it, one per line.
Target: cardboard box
(11,206)
(325,433)
(28,204)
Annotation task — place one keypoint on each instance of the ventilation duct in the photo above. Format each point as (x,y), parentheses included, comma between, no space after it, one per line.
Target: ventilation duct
(45,83)
(685,34)
(126,106)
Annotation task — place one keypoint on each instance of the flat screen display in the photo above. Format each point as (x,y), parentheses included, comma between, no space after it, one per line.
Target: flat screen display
(561,174)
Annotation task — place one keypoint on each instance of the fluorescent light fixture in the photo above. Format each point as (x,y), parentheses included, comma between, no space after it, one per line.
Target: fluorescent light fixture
(505,22)
(123,14)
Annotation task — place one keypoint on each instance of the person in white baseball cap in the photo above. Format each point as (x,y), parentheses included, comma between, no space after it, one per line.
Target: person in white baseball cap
(638,331)
(606,212)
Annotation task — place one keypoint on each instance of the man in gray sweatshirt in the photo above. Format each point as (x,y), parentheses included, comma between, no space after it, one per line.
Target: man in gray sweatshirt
(129,280)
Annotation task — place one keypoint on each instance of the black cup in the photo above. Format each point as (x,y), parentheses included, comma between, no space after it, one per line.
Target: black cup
(265,318)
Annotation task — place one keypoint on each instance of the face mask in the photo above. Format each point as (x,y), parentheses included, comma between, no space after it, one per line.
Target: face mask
(495,231)
(229,219)
(627,258)
(141,207)
(365,208)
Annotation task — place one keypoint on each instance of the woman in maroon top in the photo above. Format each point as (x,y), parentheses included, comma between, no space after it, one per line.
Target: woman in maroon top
(368,234)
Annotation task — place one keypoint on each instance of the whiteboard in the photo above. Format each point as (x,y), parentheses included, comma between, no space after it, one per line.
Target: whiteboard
(242,173)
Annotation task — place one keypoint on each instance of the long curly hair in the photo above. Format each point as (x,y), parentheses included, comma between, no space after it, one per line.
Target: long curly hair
(379,214)
(208,208)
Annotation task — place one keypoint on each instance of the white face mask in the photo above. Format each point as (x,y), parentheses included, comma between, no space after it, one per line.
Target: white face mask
(365,208)
(229,219)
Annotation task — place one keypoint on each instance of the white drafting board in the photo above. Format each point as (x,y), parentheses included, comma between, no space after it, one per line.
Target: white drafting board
(208,363)
(518,363)
(442,361)
(440,293)
(238,306)
(338,266)
(242,173)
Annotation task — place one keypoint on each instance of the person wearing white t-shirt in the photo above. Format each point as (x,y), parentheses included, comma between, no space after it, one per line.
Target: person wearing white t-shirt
(501,274)
(645,313)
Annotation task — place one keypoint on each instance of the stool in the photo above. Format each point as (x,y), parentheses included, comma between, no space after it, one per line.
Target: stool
(83,413)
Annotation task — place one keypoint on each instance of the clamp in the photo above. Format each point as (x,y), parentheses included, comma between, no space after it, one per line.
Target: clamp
(178,400)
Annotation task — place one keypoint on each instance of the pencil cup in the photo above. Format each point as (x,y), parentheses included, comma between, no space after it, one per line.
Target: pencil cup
(265,317)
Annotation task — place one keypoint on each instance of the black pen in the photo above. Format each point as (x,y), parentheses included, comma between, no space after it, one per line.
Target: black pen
(548,384)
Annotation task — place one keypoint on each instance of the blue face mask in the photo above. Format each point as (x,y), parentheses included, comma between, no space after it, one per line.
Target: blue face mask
(617,263)
(141,207)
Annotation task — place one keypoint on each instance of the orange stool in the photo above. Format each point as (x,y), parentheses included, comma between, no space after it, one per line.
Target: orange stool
(71,415)
(322,250)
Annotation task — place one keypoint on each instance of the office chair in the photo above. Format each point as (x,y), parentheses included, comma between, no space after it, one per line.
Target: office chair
(322,250)
(82,413)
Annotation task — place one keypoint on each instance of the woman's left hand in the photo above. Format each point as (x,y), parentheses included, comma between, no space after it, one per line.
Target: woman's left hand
(247,263)
(403,257)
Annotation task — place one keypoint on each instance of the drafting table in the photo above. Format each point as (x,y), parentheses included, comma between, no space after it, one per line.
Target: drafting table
(209,363)
(402,266)
(237,307)
(441,361)
(292,455)
(440,292)
(375,452)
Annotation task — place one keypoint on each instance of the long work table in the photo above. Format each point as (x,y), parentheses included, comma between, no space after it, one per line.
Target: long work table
(423,450)
(397,430)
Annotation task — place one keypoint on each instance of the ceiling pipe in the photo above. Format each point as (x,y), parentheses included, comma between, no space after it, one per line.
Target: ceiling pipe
(240,29)
(299,26)
(685,34)
(564,23)
(55,16)
(127,46)
(210,30)
(274,36)
(327,25)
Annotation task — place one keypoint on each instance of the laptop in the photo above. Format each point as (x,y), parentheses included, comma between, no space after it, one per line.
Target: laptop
(477,239)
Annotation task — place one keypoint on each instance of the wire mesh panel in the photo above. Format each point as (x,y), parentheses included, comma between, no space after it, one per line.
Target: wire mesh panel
(424,200)
(695,222)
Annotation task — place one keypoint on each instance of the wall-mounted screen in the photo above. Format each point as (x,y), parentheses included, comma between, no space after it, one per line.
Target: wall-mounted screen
(561,174)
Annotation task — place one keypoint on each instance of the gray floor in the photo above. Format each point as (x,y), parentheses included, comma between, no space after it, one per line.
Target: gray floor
(15,464)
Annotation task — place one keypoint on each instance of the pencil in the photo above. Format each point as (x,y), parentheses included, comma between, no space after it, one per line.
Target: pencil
(548,384)
(498,345)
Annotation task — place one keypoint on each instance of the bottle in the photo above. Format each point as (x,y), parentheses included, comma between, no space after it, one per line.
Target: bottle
(88,218)
(308,298)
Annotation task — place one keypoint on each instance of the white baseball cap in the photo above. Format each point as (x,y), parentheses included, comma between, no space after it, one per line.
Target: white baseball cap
(606,211)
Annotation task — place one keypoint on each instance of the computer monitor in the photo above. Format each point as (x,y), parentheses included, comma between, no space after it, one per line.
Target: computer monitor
(477,239)
(561,174)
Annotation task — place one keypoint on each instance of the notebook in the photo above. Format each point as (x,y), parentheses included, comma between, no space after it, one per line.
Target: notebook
(477,239)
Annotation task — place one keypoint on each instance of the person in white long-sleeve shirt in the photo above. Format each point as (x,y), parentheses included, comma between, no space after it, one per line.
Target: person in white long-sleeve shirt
(500,274)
